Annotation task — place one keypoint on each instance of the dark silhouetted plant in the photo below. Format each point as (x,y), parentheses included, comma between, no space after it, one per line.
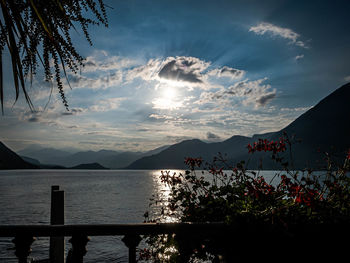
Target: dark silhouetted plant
(218,192)
(39,32)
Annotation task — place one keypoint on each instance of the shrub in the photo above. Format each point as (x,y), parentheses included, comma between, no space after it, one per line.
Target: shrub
(289,207)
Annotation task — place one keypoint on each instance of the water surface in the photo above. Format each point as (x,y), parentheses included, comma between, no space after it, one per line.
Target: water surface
(91,197)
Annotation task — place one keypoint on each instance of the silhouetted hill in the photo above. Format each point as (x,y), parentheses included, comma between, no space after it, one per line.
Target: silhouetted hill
(172,157)
(325,127)
(31,160)
(89,166)
(10,160)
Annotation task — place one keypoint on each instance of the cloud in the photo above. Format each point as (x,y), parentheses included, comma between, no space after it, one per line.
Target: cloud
(103,81)
(182,71)
(166,104)
(187,69)
(101,71)
(53,115)
(212,136)
(298,57)
(160,116)
(73,111)
(297,109)
(253,92)
(227,72)
(107,105)
(274,30)
(102,61)
(264,99)
(143,130)
(347,78)
(92,143)
(146,72)
(177,139)
(34,119)
(249,92)
(40,116)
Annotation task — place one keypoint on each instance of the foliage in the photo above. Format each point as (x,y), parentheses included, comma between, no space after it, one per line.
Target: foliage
(291,199)
(40,31)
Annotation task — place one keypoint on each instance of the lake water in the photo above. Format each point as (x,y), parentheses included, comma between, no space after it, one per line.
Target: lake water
(91,197)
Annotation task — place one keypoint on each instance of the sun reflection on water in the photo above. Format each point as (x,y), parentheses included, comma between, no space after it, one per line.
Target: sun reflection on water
(162,193)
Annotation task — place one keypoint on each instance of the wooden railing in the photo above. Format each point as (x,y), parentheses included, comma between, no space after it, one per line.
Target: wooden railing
(331,240)
(249,243)
(24,235)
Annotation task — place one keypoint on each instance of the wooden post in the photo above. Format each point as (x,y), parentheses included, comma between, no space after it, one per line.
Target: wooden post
(57,244)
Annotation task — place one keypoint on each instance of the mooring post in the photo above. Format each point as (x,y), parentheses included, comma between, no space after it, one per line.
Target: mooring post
(57,244)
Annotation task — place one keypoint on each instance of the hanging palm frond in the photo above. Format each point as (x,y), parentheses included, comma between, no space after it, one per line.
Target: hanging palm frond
(27,26)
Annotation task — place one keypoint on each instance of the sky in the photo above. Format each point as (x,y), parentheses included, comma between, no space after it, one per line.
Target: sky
(167,71)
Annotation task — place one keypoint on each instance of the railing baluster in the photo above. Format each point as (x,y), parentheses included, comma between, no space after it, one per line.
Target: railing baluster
(77,252)
(22,247)
(132,235)
(132,241)
(57,243)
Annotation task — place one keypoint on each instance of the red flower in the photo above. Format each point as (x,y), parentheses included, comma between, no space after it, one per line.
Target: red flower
(193,162)
(348,156)
(250,148)
(298,199)
(266,145)
(307,197)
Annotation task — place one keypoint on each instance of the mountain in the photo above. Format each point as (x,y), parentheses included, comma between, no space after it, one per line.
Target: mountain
(156,150)
(10,160)
(42,165)
(63,158)
(89,166)
(29,149)
(45,155)
(31,160)
(48,157)
(119,160)
(323,128)
(173,157)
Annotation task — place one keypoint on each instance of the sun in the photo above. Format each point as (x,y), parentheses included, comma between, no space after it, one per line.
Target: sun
(168,98)
(169,93)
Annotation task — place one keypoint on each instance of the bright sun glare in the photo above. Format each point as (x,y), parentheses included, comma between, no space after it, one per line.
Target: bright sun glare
(169,93)
(168,96)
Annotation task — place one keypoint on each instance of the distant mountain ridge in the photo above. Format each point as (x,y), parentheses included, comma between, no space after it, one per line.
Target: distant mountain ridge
(83,166)
(107,158)
(325,127)
(173,157)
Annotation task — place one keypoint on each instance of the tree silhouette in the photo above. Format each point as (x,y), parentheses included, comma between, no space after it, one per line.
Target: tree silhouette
(39,32)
